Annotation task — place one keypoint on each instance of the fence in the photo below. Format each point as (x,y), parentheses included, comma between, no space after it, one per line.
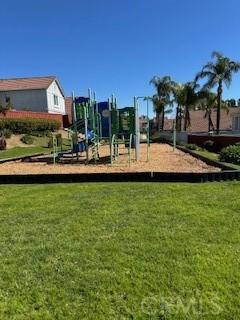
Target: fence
(220,141)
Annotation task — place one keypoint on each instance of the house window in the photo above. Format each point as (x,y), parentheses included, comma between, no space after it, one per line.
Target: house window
(236,123)
(55,98)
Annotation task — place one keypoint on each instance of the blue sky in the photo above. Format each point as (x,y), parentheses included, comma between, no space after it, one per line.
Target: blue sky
(116,46)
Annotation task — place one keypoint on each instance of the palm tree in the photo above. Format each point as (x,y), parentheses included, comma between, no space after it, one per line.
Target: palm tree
(160,108)
(186,98)
(164,87)
(218,73)
(208,102)
(6,107)
(179,99)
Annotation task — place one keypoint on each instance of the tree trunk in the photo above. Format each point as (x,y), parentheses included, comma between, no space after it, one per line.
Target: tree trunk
(158,122)
(186,119)
(177,118)
(219,99)
(180,118)
(209,121)
(163,118)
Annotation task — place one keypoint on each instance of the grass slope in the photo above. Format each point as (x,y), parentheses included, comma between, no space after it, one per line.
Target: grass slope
(22,151)
(215,156)
(120,251)
(40,146)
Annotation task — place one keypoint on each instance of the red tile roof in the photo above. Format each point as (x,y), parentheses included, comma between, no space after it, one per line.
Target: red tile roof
(168,124)
(200,124)
(26,83)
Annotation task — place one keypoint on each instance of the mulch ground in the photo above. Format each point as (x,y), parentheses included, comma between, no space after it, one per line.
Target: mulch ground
(162,159)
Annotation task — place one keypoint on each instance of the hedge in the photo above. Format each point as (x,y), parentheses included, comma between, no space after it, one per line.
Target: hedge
(27,139)
(209,145)
(29,125)
(231,154)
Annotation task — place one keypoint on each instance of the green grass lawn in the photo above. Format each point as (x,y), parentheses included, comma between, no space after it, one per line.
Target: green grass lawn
(120,251)
(40,146)
(215,156)
(207,154)
(23,151)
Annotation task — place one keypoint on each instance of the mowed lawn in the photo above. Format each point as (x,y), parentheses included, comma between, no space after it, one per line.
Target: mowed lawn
(120,251)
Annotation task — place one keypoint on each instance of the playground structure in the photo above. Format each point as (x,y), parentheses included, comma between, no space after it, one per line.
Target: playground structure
(99,123)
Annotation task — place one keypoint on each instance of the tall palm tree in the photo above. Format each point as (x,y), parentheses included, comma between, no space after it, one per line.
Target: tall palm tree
(186,97)
(164,87)
(208,102)
(218,73)
(179,99)
(160,108)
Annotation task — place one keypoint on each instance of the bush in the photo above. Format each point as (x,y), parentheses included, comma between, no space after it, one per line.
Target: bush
(29,125)
(50,143)
(27,139)
(230,154)
(59,141)
(162,140)
(38,133)
(46,133)
(6,133)
(3,143)
(209,145)
(191,146)
(181,143)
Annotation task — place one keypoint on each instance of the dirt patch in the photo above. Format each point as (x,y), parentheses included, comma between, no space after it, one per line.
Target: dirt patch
(162,159)
(15,141)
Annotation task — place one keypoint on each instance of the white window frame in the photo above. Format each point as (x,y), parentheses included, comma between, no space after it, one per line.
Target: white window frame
(236,123)
(55,100)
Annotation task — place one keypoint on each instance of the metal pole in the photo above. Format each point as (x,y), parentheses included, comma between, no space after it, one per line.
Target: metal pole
(73,108)
(174,135)
(137,138)
(114,145)
(148,130)
(89,94)
(86,132)
(75,123)
(110,126)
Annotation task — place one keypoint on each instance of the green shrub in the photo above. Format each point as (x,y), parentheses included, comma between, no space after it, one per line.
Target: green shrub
(231,154)
(3,143)
(209,145)
(181,143)
(27,139)
(50,143)
(38,133)
(29,125)
(191,146)
(6,133)
(48,134)
(162,139)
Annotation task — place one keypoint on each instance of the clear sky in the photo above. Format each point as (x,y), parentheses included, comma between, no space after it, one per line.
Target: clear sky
(116,46)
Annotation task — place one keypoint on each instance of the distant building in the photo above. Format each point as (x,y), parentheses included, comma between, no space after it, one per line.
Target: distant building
(39,94)
(229,121)
(143,124)
(68,108)
(168,124)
